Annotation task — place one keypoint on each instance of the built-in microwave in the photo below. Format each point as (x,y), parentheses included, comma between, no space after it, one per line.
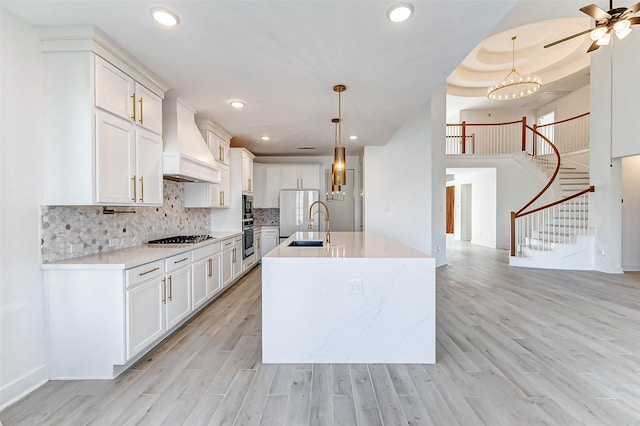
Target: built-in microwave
(247,207)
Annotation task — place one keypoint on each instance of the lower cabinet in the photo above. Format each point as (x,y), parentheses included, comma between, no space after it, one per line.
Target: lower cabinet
(178,295)
(145,320)
(102,319)
(270,239)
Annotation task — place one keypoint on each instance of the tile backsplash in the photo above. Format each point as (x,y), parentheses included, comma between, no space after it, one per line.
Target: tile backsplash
(266,216)
(88,231)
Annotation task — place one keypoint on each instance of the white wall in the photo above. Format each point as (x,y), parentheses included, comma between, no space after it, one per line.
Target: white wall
(405,186)
(631,213)
(570,105)
(23,350)
(483,205)
(626,105)
(496,115)
(605,209)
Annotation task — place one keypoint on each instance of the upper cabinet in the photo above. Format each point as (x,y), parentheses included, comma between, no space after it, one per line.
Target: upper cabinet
(247,171)
(268,182)
(103,130)
(301,176)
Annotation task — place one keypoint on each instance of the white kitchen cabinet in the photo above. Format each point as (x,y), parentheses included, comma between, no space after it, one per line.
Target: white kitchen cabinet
(103,130)
(227,260)
(199,273)
(145,315)
(208,195)
(270,239)
(247,171)
(301,176)
(237,264)
(218,145)
(257,245)
(177,288)
(205,275)
(267,185)
(214,284)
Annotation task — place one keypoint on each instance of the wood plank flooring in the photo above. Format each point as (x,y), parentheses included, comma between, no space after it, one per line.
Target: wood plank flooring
(515,347)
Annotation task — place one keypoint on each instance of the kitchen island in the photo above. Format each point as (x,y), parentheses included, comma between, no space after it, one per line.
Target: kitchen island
(362,298)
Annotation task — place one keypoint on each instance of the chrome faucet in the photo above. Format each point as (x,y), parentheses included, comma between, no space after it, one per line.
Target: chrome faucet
(327,217)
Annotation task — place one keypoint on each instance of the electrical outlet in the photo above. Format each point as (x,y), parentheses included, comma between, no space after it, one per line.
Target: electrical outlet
(76,247)
(115,242)
(355,286)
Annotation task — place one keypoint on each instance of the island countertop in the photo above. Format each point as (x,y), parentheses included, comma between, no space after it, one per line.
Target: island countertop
(347,245)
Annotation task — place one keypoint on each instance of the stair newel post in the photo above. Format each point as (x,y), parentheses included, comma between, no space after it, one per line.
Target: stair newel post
(464,137)
(513,233)
(535,139)
(524,133)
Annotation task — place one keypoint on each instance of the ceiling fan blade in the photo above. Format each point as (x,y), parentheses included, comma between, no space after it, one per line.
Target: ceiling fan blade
(635,21)
(595,12)
(633,9)
(594,46)
(568,38)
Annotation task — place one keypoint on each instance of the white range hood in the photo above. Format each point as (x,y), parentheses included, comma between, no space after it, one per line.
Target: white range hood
(186,155)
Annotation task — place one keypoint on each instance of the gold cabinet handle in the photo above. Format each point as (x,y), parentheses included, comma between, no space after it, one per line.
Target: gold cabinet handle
(149,271)
(210,262)
(220,193)
(142,189)
(220,153)
(249,184)
(170,288)
(228,244)
(133,179)
(181,260)
(141,113)
(164,291)
(133,101)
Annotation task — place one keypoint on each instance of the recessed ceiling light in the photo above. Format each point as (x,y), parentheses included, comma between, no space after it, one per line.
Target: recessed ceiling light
(400,12)
(353,137)
(237,104)
(165,17)
(265,138)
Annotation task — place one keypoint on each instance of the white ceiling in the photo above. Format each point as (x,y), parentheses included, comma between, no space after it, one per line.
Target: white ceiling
(283,57)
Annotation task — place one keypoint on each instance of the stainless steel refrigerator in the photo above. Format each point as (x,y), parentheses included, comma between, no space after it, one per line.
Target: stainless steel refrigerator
(294,212)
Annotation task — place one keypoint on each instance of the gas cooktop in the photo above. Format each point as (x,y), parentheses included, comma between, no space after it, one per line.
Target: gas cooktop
(182,239)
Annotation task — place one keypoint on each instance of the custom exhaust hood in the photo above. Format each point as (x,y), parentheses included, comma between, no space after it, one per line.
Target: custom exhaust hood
(186,155)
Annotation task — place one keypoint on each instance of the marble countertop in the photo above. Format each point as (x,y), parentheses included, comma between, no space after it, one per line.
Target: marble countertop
(134,256)
(346,245)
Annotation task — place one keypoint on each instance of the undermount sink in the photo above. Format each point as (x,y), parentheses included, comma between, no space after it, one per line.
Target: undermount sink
(306,243)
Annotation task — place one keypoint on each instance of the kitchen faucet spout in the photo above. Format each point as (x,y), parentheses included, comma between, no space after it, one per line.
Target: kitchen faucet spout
(327,218)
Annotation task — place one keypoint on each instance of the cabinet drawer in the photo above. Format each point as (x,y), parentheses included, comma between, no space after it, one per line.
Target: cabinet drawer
(178,261)
(206,251)
(144,272)
(227,243)
(237,240)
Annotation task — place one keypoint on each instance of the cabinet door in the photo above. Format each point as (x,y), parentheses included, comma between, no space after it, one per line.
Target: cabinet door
(214,284)
(273,185)
(237,260)
(224,188)
(224,150)
(259,186)
(200,272)
(247,173)
(309,177)
(148,109)
(113,89)
(149,168)
(227,266)
(115,159)
(257,245)
(269,240)
(290,178)
(145,320)
(178,296)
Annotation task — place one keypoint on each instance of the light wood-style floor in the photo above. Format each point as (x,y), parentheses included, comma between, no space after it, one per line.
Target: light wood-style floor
(515,347)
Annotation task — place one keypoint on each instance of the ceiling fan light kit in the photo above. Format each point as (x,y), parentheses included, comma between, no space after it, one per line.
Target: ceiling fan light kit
(514,85)
(618,20)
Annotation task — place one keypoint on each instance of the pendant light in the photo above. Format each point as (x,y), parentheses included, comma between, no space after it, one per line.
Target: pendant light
(514,85)
(339,167)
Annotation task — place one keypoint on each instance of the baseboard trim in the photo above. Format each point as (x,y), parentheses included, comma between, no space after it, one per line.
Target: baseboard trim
(23,386)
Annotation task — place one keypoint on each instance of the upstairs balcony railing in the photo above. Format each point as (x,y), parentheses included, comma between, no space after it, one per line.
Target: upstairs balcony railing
(532,229)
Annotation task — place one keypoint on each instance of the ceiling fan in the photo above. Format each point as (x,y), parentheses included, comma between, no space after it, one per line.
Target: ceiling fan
(618,20)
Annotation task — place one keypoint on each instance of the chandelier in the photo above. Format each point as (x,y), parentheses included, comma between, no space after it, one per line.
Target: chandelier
(339,167)
(514,86)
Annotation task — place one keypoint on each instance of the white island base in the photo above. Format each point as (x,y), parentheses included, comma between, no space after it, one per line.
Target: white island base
(360,299)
